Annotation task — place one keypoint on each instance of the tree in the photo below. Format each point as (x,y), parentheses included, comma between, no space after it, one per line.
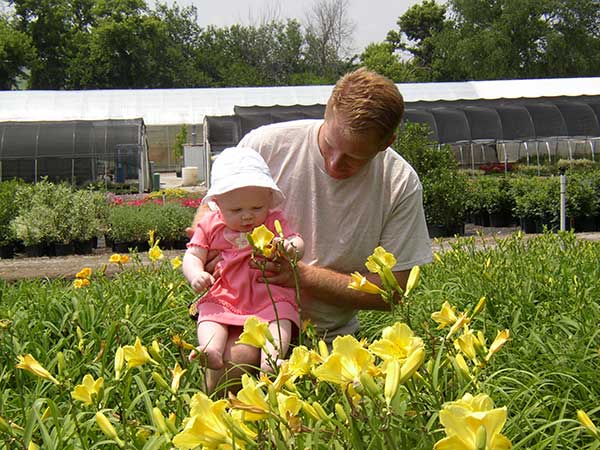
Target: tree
(483,39)
(48,25)
(16,54)
(382,59)
(329,32)
(419,24)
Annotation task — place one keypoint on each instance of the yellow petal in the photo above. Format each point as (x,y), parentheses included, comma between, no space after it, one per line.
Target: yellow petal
(413,280)
(30,364)
(359,282)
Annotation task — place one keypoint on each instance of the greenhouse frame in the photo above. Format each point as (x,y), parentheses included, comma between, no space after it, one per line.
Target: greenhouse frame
(78,151)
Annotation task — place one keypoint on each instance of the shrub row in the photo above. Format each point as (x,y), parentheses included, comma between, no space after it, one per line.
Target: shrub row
(45,213)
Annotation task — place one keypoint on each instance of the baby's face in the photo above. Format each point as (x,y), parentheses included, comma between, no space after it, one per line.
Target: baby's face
(245,208)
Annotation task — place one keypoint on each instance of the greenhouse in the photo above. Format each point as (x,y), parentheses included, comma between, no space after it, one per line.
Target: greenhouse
(77,151)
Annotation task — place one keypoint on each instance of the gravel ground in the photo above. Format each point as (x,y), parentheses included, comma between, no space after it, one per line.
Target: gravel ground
(22,267)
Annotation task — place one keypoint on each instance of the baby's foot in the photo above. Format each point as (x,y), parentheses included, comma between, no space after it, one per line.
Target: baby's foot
(207,357)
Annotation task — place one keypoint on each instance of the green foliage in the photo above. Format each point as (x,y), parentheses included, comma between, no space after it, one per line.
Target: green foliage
(542,289)
(490,194)
(381,58)
(133,223)
(180,140)
(444,186)
(16,53)
(8,210)
(444,197)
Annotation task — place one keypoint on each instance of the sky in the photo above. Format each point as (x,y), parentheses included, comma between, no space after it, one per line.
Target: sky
(372,18)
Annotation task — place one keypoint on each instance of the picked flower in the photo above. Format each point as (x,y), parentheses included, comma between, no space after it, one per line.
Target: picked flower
(261,240)
(472,423)
(83,392)
(256,333)
(30,364)
(137,354)
(359,282)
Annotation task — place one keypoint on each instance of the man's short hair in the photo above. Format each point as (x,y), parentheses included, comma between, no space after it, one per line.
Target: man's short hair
(368,102)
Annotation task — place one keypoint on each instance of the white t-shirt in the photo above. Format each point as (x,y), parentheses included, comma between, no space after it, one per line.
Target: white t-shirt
(343,221)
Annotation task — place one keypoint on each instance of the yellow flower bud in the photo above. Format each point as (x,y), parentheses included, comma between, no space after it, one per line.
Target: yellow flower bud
(108,429)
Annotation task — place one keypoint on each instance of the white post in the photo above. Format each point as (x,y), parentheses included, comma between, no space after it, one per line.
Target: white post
(563,199)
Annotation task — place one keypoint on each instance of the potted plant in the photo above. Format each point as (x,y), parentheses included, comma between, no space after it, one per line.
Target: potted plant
(444,202)
(582,202)
(171,222)
(128,226)
(537,202)
(8,211)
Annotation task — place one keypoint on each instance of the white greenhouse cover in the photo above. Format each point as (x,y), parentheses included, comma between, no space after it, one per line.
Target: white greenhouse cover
(178,106)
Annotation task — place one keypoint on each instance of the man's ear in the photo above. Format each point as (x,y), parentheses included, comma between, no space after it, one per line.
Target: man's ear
(389,142)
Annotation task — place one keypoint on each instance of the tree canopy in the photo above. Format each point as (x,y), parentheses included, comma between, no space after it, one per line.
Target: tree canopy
(93,44)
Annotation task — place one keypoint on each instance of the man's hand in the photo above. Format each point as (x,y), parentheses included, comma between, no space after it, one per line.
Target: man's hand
(277,272)
(202,281)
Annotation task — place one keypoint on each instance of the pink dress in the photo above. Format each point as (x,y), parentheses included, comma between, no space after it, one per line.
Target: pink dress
(237,294)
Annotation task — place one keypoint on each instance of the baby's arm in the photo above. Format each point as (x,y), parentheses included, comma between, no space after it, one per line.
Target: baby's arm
(193,268)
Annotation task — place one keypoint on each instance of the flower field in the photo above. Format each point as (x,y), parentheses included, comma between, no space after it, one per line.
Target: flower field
(494,348)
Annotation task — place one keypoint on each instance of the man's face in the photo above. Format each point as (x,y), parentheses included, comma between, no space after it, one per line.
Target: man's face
(344,155)
(246,208)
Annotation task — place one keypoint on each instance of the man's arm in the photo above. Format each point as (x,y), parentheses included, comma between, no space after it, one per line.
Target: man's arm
(332,287)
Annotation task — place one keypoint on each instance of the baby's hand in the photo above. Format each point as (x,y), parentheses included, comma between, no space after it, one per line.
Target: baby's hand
(202,281)
(288,247)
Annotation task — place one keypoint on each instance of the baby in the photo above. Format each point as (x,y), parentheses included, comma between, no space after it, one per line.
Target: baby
(244,194)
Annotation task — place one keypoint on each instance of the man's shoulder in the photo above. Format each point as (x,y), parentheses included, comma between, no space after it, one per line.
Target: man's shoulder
(278,129)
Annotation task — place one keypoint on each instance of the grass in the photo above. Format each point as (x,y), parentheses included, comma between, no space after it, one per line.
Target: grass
(545,290)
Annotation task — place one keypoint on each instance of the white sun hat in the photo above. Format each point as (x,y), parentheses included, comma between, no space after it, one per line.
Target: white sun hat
(238,167)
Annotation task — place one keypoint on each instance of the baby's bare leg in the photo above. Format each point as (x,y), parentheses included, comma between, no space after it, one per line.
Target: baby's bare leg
(273,353)
(212,337)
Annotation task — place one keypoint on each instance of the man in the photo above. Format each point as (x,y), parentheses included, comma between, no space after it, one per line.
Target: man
(347,193)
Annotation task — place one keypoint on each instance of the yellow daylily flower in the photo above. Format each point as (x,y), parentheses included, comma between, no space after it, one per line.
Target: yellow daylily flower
(155,253)
(207,426)
(480,305)
(137,354)
(108,429)
(33,446)
(159,420)
(501,339)
(179,342)
(466,343)
(176,262)
(81,283)
(585,420)
(261,240)
(402,353)
(115,258)
(413,280)
(380,259)
(278,228)
(445,316)
(302,360)
(460,366)
(30,364)
(347,361)
(123,259)
(151,240)
(359,282)
(119,360)
(83,392)
(461,321)
(469,421)
(86,272)
(288,405)
(177,374)
(256,333)
(252,396)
